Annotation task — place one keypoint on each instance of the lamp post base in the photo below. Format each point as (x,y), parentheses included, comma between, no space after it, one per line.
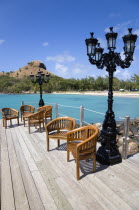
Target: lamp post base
(108,157)
(41,103)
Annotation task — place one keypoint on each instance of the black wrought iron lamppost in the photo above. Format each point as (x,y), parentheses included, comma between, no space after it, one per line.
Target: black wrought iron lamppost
(40,79)
(108,152)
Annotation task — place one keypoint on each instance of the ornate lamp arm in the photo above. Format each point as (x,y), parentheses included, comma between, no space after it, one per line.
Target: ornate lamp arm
(123,63)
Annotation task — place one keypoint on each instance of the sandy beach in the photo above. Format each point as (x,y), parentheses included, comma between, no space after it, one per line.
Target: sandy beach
(102,93)
(96,93)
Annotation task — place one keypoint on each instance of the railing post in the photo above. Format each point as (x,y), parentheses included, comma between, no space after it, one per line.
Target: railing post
(22,103)
(81,115)
(56,109)
(125,138)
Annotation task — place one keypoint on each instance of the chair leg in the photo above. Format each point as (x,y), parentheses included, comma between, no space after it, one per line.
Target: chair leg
(6,124)
(3,122)
(10,122)
(18,121)
(68,155)
(94,162)
(24,122)
(43,125)
(58,142)
(29,127)
(45,120)
(77,168)
(40,126)
(47,140)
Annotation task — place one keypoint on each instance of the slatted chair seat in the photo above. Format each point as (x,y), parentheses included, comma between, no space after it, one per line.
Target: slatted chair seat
(26,114)
(36,121)
(60,134)
(11,117)
(58,128)
(81,142)
(85,154)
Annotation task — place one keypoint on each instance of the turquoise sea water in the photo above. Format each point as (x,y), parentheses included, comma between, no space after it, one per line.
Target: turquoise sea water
(122,105)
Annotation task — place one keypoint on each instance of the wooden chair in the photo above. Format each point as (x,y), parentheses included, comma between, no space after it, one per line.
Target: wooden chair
(57,129)
(26,110)
(47,111)
(82,143)
(36,118)
(9,114)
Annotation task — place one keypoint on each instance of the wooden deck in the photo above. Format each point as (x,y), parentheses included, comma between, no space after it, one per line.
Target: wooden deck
(32,178)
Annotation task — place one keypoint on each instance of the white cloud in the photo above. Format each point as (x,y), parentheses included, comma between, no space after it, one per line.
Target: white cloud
(2,41)
(122,74)
(61,58)
(77,70)
(81,69)
(122,55)
(136,32)
(113,15)
(117,72)
(103,42)
(104,74)
(121,28)
(61,69)
(45,44)
(126,75)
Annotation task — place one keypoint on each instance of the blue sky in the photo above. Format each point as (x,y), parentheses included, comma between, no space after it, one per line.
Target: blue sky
(53,31)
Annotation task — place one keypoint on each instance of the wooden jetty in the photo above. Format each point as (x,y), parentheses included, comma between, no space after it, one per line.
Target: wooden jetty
(34,179)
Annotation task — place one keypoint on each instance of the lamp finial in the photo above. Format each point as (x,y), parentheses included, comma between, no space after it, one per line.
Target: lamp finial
(92,33)
(111,29)
(130,30)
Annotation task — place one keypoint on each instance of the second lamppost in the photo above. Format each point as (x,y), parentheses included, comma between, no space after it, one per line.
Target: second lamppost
(40,79)
(108,152)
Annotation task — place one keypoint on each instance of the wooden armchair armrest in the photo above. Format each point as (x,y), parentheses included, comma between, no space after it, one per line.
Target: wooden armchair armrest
(31,116)
(60,124)
(48,127)
(88,142)
(75,130)
(74,134)
(81,134)
(15,112)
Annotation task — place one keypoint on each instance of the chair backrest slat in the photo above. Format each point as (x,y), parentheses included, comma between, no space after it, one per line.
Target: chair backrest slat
(65,123)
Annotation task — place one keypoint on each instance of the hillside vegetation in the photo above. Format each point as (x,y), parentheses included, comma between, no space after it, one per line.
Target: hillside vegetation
(33,67)
(19,81)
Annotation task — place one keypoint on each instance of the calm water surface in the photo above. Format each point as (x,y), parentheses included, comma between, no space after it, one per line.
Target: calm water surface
(122,105)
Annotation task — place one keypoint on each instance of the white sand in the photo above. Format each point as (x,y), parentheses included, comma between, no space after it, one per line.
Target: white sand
(101,93)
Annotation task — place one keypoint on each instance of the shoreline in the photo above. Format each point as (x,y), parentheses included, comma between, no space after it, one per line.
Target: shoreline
(100,93)
(95,93)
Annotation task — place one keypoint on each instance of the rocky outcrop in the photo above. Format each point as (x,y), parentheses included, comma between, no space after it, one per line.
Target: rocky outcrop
(132,148)
(32,66)
(38,64)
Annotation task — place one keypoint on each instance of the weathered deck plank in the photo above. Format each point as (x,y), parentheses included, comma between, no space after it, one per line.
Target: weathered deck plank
(36,179)
(96,191)
(119,186)
(21,200)
(49,175)
(44,193)
(30,187)
(7,194)
(64,174)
